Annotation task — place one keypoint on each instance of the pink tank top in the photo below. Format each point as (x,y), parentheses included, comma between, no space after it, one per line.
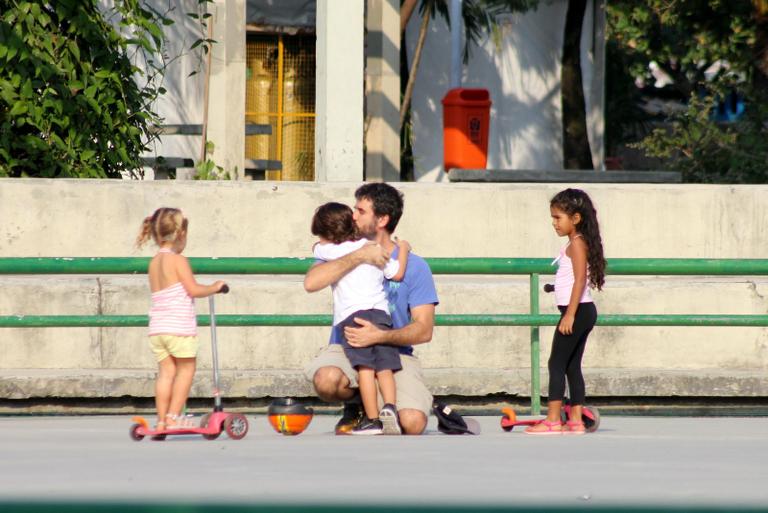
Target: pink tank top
(564,280)
(172,311)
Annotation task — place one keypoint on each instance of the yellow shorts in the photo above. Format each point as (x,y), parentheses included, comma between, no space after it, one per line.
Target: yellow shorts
(177,346)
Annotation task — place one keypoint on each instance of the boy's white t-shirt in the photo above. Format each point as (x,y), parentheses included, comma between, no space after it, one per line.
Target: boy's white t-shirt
(360,289)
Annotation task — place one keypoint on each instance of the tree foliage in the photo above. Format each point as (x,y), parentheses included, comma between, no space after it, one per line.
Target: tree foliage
(709,49)
(73,101)
(709,152)
(684,38)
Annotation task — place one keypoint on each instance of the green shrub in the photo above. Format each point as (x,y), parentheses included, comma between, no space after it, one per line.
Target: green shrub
(73,102)
(710,152)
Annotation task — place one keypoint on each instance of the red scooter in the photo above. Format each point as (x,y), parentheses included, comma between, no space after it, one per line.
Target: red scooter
(211,424)
(590,416)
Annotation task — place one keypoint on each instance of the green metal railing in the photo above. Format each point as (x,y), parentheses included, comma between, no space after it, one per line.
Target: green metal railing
(533,267)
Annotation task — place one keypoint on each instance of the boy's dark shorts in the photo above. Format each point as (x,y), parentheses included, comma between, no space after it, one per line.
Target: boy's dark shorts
(379,356)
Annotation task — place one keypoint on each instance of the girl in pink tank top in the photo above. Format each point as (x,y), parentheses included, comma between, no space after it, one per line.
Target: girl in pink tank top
(580,265)
(172,319)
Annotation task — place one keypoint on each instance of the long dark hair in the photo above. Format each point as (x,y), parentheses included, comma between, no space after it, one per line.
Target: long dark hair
(576,201)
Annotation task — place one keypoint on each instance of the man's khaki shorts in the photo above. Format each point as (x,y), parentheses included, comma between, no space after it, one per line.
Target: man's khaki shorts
(177,346)
(412,393)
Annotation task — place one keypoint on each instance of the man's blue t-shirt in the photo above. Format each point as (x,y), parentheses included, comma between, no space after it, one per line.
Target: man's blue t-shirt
(417,288)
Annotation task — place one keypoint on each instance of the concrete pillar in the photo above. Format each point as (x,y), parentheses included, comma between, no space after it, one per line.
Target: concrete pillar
(457,32)
(382,139)
(596,118)
(339,91)
(226,95)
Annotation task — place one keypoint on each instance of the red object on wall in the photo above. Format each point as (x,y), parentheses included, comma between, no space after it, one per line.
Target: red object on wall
(466,119)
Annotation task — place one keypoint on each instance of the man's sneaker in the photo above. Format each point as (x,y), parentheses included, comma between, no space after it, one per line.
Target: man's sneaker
(368,427)
(353,414)
(389,420)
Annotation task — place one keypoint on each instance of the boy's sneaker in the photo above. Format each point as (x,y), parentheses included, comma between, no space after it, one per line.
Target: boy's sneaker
(353,414)
(368,427)
(389,420)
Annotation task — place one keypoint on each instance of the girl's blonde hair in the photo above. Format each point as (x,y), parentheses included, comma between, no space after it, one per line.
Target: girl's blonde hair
(164,225)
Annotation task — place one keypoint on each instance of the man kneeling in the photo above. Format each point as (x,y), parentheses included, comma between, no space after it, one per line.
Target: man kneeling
(412,302)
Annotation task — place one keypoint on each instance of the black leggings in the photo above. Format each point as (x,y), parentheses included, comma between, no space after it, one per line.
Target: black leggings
(565,358)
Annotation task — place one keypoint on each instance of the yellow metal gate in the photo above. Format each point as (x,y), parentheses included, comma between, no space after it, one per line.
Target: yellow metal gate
(280,90)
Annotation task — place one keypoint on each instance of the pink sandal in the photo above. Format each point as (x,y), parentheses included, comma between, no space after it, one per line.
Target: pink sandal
(574,427)
(549,431)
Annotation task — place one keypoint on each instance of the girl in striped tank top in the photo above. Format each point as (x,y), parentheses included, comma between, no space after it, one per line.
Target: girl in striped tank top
(172,319)
(581,265)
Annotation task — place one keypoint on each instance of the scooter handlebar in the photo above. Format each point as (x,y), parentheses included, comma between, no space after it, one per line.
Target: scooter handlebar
(224,289)
(549,287)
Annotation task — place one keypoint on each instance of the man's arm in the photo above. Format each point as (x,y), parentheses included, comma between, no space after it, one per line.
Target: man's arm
(419,331)
(323,274)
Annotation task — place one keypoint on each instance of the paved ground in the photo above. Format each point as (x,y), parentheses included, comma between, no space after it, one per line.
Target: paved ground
(630,460)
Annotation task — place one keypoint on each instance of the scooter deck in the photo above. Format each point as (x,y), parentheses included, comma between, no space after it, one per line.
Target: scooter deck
(510,420)
(144,429)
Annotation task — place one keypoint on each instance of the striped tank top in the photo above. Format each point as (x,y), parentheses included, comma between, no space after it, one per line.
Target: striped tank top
(172,312)
(564,280)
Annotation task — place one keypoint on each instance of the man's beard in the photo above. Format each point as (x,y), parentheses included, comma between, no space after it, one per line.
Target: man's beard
(368,232)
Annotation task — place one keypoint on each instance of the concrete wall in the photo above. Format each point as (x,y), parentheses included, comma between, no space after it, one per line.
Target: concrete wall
(101,218)
(184,100)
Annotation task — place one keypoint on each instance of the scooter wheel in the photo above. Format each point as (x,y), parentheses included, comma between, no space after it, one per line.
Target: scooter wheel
(134,433)
(591,418)
(204,423)
(236,426)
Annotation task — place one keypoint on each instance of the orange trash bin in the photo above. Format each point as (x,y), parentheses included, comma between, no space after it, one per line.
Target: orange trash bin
(466,118)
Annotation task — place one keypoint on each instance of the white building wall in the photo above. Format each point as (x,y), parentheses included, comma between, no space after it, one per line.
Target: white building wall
(183,101)
(522,73)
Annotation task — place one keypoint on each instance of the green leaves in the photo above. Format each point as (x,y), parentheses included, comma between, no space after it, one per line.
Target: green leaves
(18,109)
(711,152)
(208,169)
(68,98)
(709,49)
(683,38)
